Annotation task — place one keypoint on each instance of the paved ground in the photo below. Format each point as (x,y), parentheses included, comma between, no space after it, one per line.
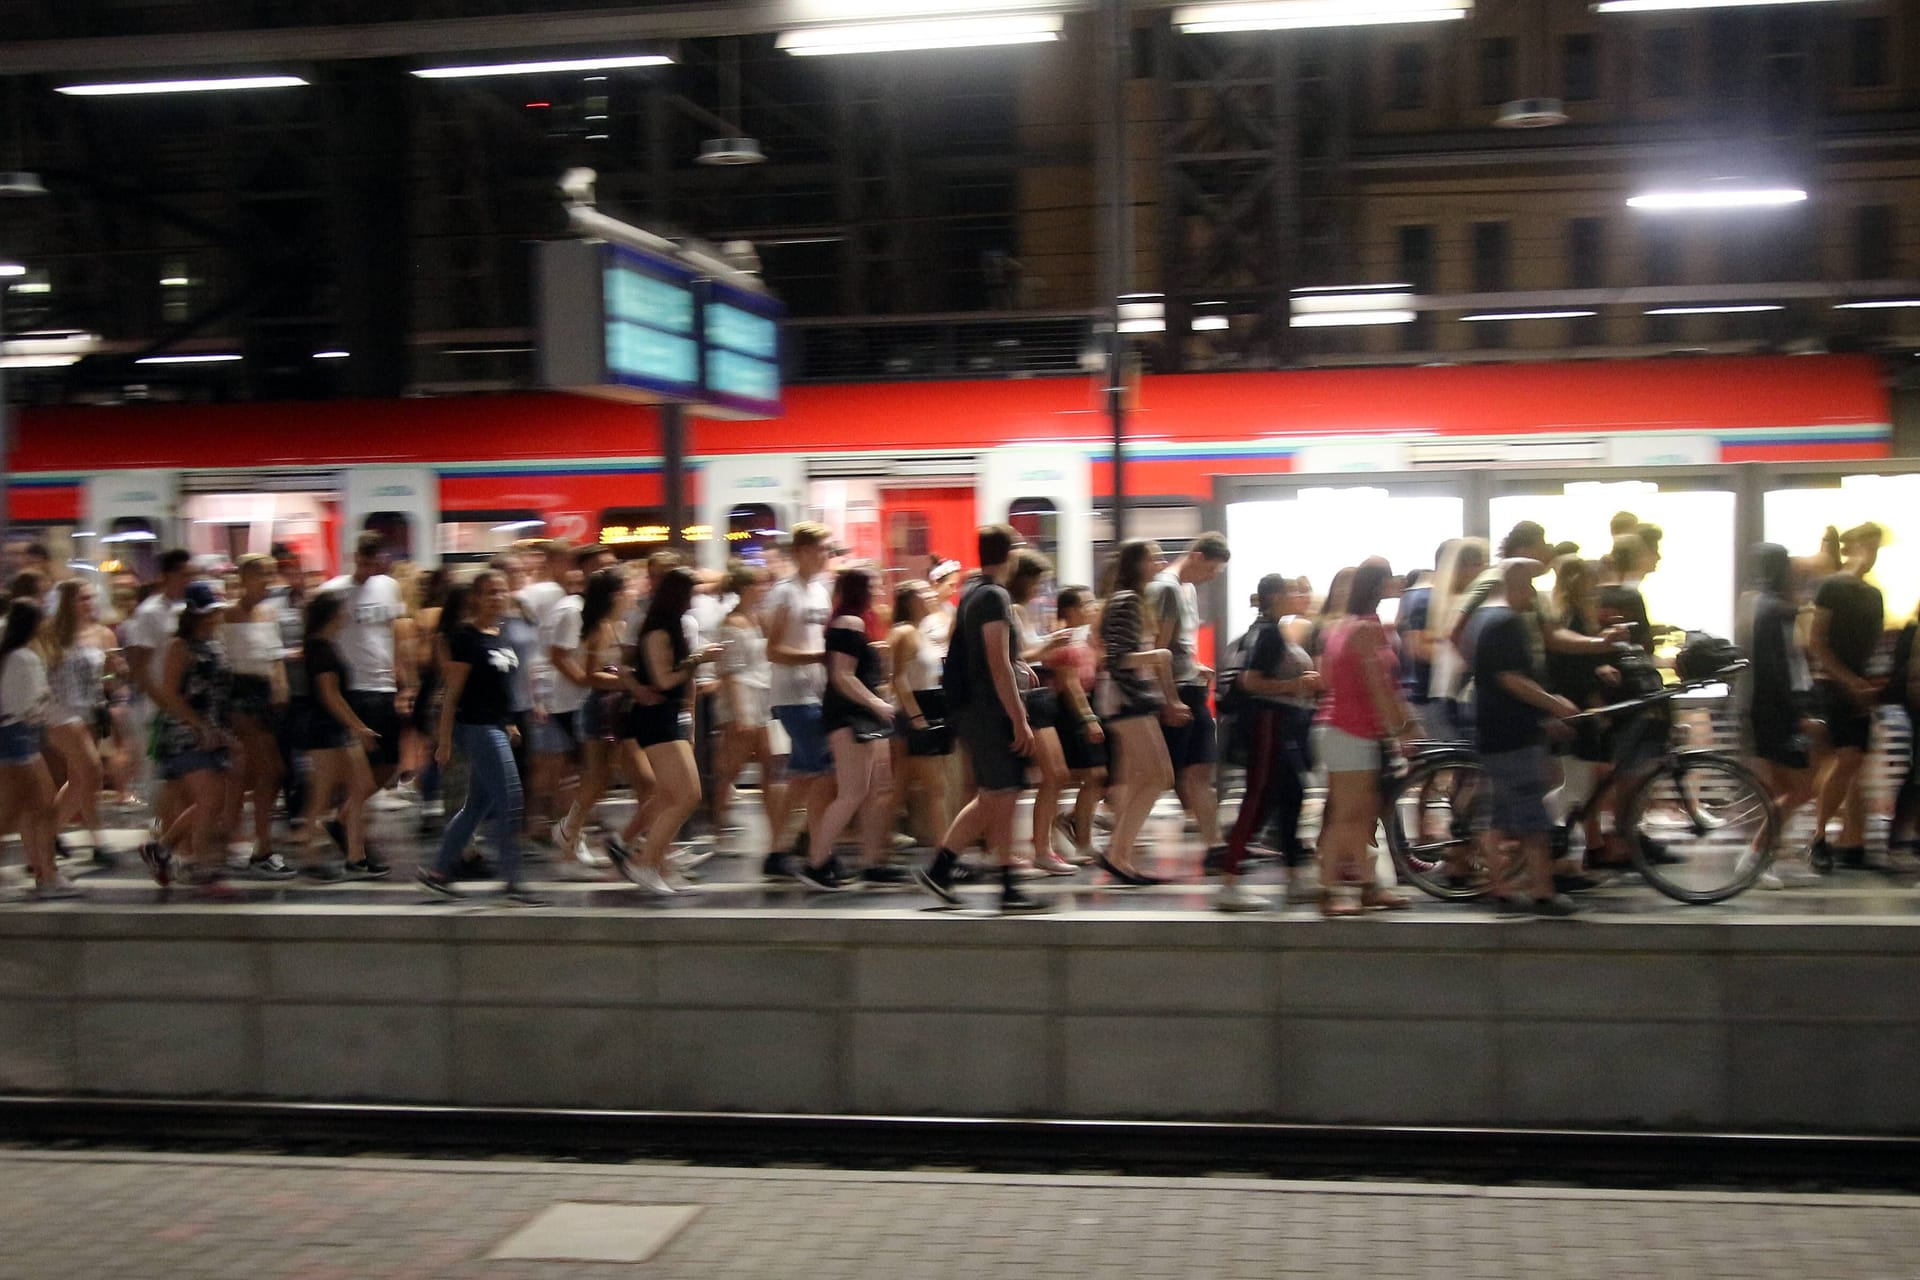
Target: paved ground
(147,1217)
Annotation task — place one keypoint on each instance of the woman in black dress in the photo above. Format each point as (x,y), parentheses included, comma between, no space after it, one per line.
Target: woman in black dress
(858,723)
(665,664)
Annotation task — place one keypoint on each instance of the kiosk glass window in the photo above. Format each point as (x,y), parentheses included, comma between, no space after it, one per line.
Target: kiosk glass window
(1319,531)
(1038,521)
(753,533)
(468,537)
(134,545)
(395,529)
(1694,587)
(1796,516)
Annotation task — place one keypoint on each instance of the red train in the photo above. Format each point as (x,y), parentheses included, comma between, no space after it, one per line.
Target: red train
(904,470)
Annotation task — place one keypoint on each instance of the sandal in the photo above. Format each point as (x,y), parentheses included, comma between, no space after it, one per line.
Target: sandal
(1375,898)
(1341,901)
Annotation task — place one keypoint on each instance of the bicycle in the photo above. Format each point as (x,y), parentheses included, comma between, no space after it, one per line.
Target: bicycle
(1722,843)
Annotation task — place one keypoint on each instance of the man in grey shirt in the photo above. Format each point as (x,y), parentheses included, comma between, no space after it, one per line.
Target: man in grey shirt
(1192,747)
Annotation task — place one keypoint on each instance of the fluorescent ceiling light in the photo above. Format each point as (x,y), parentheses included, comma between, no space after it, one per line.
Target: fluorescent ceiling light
(1293,15)
(1709,198)
(536,68)
(901,37)
(1338,319)
(1657,6)
(37,362)
(1877,304)
(1400,287)
(1529,315)
(174,282)
(1143,326)
(217,358)
(133,535)
(1205,324)
(180,86)
(32,286)
(329,355)
(1743,309)
(8,269)
(1323,303)
(514,525)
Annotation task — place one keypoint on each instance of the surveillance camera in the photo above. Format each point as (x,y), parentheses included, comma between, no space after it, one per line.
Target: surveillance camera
(577,186)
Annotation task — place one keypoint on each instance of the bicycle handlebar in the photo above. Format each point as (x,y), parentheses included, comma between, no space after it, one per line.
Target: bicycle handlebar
(1667,694)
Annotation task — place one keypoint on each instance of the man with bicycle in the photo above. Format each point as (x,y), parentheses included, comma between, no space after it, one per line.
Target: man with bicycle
(1511,712)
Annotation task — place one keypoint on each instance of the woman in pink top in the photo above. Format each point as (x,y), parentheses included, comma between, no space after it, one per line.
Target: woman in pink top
(1362,709)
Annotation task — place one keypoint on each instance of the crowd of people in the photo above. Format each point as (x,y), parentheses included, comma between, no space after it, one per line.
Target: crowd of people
(555,674)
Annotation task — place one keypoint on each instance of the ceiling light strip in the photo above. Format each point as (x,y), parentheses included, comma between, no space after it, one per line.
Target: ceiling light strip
(1708,198)
(902,37)
(140,87)
(1662,6)
(1342,319)
(613,63)
(1744,309)
(1296,15)
(1530,315)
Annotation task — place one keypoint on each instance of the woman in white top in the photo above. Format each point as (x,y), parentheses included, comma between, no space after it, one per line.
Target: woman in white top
(746,697)
(75,664)
(26,788)
(925,744)
(255,653)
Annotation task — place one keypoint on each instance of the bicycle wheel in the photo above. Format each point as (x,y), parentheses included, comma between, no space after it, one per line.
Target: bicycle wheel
(1430,816)
(1701,826)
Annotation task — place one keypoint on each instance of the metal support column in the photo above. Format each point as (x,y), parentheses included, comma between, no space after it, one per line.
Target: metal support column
(6,431)
(371,180)
(673,471)
(1115,54)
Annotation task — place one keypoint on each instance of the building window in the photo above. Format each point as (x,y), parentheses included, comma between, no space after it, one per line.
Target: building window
(1580,68)
(1496,70)
(1668,52)
(1490,242)
(1867,52)
(1873,242)
(1663,267)
(1409,77)
(1586,253)
(1416,268)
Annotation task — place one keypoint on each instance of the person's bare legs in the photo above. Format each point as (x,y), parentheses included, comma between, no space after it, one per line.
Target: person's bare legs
(876,818)
(676,794)
(260,760)
(853,774)
(1842,770)
(1093,786)
(1051,766)
(1197,796)
(78,798)
(1145,774)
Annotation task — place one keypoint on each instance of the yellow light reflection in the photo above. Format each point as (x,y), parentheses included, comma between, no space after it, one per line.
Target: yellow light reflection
(1795,518)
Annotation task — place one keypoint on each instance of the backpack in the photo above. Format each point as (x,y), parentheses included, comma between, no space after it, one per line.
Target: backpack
(956,674)
(1704,657)
(1230,694)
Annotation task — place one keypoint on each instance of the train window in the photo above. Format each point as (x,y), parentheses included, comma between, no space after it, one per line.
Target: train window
(395,529)
(132,544)
(1038,521)
(753,532)
(1797,514)
(909,538)
(468,537)
(633,533)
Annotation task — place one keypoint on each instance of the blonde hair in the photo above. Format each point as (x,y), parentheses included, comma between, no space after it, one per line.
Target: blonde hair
(61,628)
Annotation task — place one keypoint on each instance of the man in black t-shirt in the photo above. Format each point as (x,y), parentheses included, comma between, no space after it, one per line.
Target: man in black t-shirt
(1848,616)
(990,720)
(1510,710)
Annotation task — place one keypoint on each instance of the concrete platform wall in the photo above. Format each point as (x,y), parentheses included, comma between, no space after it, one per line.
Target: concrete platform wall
(1682,1023)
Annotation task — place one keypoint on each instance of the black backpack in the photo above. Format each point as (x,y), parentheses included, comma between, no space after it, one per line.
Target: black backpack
(1704,657)
(956,675)
(1230,694)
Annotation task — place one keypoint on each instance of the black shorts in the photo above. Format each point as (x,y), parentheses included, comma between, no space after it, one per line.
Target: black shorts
(1849,725)
(656,726)
(1077,750)
(1194,742)
(937,738)
(253,698)
(376,711)
(1043,708)
(987,735)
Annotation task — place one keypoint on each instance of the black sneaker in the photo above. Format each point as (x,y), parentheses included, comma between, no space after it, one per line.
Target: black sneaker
(778,866)
(937,878)
(378,868)
(887,874)
(324,872)
(520,895)
(104,860)
(433,882)
(1850,857)
(1558,907)
(336,833)
(1561,843)
(159,860)
(1819,856)
(366,870)
(1215,862)
(1656,852)
(1015,901)
(61,849)
(824,879)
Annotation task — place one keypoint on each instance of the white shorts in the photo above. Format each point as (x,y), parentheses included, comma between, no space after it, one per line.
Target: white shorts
(1338,751)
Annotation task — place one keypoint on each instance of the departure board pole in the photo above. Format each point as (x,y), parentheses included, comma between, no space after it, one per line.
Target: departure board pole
(6,429)
(1116,24)
(673,471)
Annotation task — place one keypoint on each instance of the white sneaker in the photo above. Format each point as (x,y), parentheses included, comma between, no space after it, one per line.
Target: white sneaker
(688,856)
(650,880)
(1790,875)
(388,802)
(1237,897)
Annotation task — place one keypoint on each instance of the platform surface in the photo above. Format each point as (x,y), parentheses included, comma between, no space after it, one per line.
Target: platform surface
(149,1217)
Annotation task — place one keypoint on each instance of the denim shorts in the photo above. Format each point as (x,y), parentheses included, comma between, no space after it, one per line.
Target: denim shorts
(808,754)
(1519,781)
(173,768)
(20,743)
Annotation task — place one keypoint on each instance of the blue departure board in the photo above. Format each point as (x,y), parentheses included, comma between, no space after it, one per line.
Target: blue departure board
(651,340)
(740,338)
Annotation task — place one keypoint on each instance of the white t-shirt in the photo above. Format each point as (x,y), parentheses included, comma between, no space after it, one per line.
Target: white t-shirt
(538,599)
(807,607)
(366,641)
(154,623)
(561,630)
(24,695)
(1180,601)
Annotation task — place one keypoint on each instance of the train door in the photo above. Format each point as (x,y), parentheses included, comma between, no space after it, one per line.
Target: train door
(1046,494)
(922,524)
(748,504)
(131,516)
(401,503)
